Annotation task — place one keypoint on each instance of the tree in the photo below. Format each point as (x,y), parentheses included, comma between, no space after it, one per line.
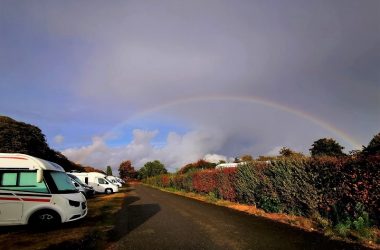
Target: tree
(246,158)
(373,146)
(109,170)
(266,158)
(20,137)
(237,160)
(200,164)
(126,170)
(287,152)
(326,147)
(152,168)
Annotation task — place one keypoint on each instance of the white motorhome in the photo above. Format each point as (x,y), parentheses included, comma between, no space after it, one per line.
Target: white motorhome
(35,191)
(120,180)
(114,180)
(229,165)
(97,181)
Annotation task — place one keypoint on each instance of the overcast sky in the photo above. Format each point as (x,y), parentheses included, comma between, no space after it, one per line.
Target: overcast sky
(178,81)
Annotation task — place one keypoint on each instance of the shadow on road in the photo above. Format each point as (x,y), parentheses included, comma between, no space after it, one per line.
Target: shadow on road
(131,216)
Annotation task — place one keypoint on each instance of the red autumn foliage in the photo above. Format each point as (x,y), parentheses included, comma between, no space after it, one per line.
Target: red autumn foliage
(165,180)
(199,165)
(342,183)
(91,169)
(225,183)
(205,181)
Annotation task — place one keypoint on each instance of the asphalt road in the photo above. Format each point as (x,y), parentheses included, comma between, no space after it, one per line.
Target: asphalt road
(152,219)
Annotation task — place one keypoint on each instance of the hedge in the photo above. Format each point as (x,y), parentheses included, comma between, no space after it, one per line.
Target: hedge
(329,186)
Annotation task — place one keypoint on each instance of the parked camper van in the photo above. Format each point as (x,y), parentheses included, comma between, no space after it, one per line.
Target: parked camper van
(85,189)
(98,182)
(113,180)
(230,165)
(120,180)
(35,191)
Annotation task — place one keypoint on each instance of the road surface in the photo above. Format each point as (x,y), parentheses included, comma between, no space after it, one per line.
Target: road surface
(152,219)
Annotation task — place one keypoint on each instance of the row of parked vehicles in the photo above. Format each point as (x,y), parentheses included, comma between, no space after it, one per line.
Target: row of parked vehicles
(36,191)
(89,183)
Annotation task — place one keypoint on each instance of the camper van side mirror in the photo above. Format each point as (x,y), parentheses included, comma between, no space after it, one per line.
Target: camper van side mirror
(40,175)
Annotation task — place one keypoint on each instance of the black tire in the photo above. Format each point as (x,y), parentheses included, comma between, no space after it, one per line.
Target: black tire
(108,191)
(45,217)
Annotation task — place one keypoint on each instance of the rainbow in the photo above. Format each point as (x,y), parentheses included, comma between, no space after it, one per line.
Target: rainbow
(246,99)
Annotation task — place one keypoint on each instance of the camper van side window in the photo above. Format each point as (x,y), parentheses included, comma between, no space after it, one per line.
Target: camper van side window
(22,181)
(9,179)
(27,179)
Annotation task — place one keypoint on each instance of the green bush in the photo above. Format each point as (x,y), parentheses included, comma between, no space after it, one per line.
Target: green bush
(293,185)
(212,197)
(254,187)
(343,228)
(342,183)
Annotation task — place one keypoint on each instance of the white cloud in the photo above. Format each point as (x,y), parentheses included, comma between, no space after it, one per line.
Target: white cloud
(215,158)
(177,151)
(275,151)
(59,139)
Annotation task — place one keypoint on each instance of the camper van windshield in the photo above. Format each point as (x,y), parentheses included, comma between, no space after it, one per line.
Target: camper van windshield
(62,182)
(76,179)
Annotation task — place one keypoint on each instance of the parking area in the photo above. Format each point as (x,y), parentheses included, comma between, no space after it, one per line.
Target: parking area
(93,231)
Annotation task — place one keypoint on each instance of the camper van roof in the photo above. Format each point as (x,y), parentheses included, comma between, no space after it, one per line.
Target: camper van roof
(22,161)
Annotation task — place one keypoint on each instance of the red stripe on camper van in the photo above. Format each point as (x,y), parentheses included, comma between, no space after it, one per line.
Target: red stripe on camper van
(9,199)
(36,200)
(23,199)
(13,157)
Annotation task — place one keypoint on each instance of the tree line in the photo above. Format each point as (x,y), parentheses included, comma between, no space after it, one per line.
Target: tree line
(20,137)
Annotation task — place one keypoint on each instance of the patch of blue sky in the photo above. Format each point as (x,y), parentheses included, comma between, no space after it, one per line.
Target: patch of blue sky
(123,134)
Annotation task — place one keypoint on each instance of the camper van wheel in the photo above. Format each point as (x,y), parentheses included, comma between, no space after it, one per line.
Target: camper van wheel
(108,191)
(45,217)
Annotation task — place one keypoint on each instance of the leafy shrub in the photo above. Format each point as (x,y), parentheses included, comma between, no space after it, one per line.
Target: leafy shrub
(270,204)
(212,197)
(361,184)
(205,181)
(325,175)
(182,182)
(165,180)
(360,224)
(225,183)
(293,185)
(248,181)
(254,187)
(342,183)
(343,228)
(196,166)
(188,182)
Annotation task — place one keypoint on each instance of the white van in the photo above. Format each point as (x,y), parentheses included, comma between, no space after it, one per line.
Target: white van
(97,181)
(120,180)
(35,191)
(113,180)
